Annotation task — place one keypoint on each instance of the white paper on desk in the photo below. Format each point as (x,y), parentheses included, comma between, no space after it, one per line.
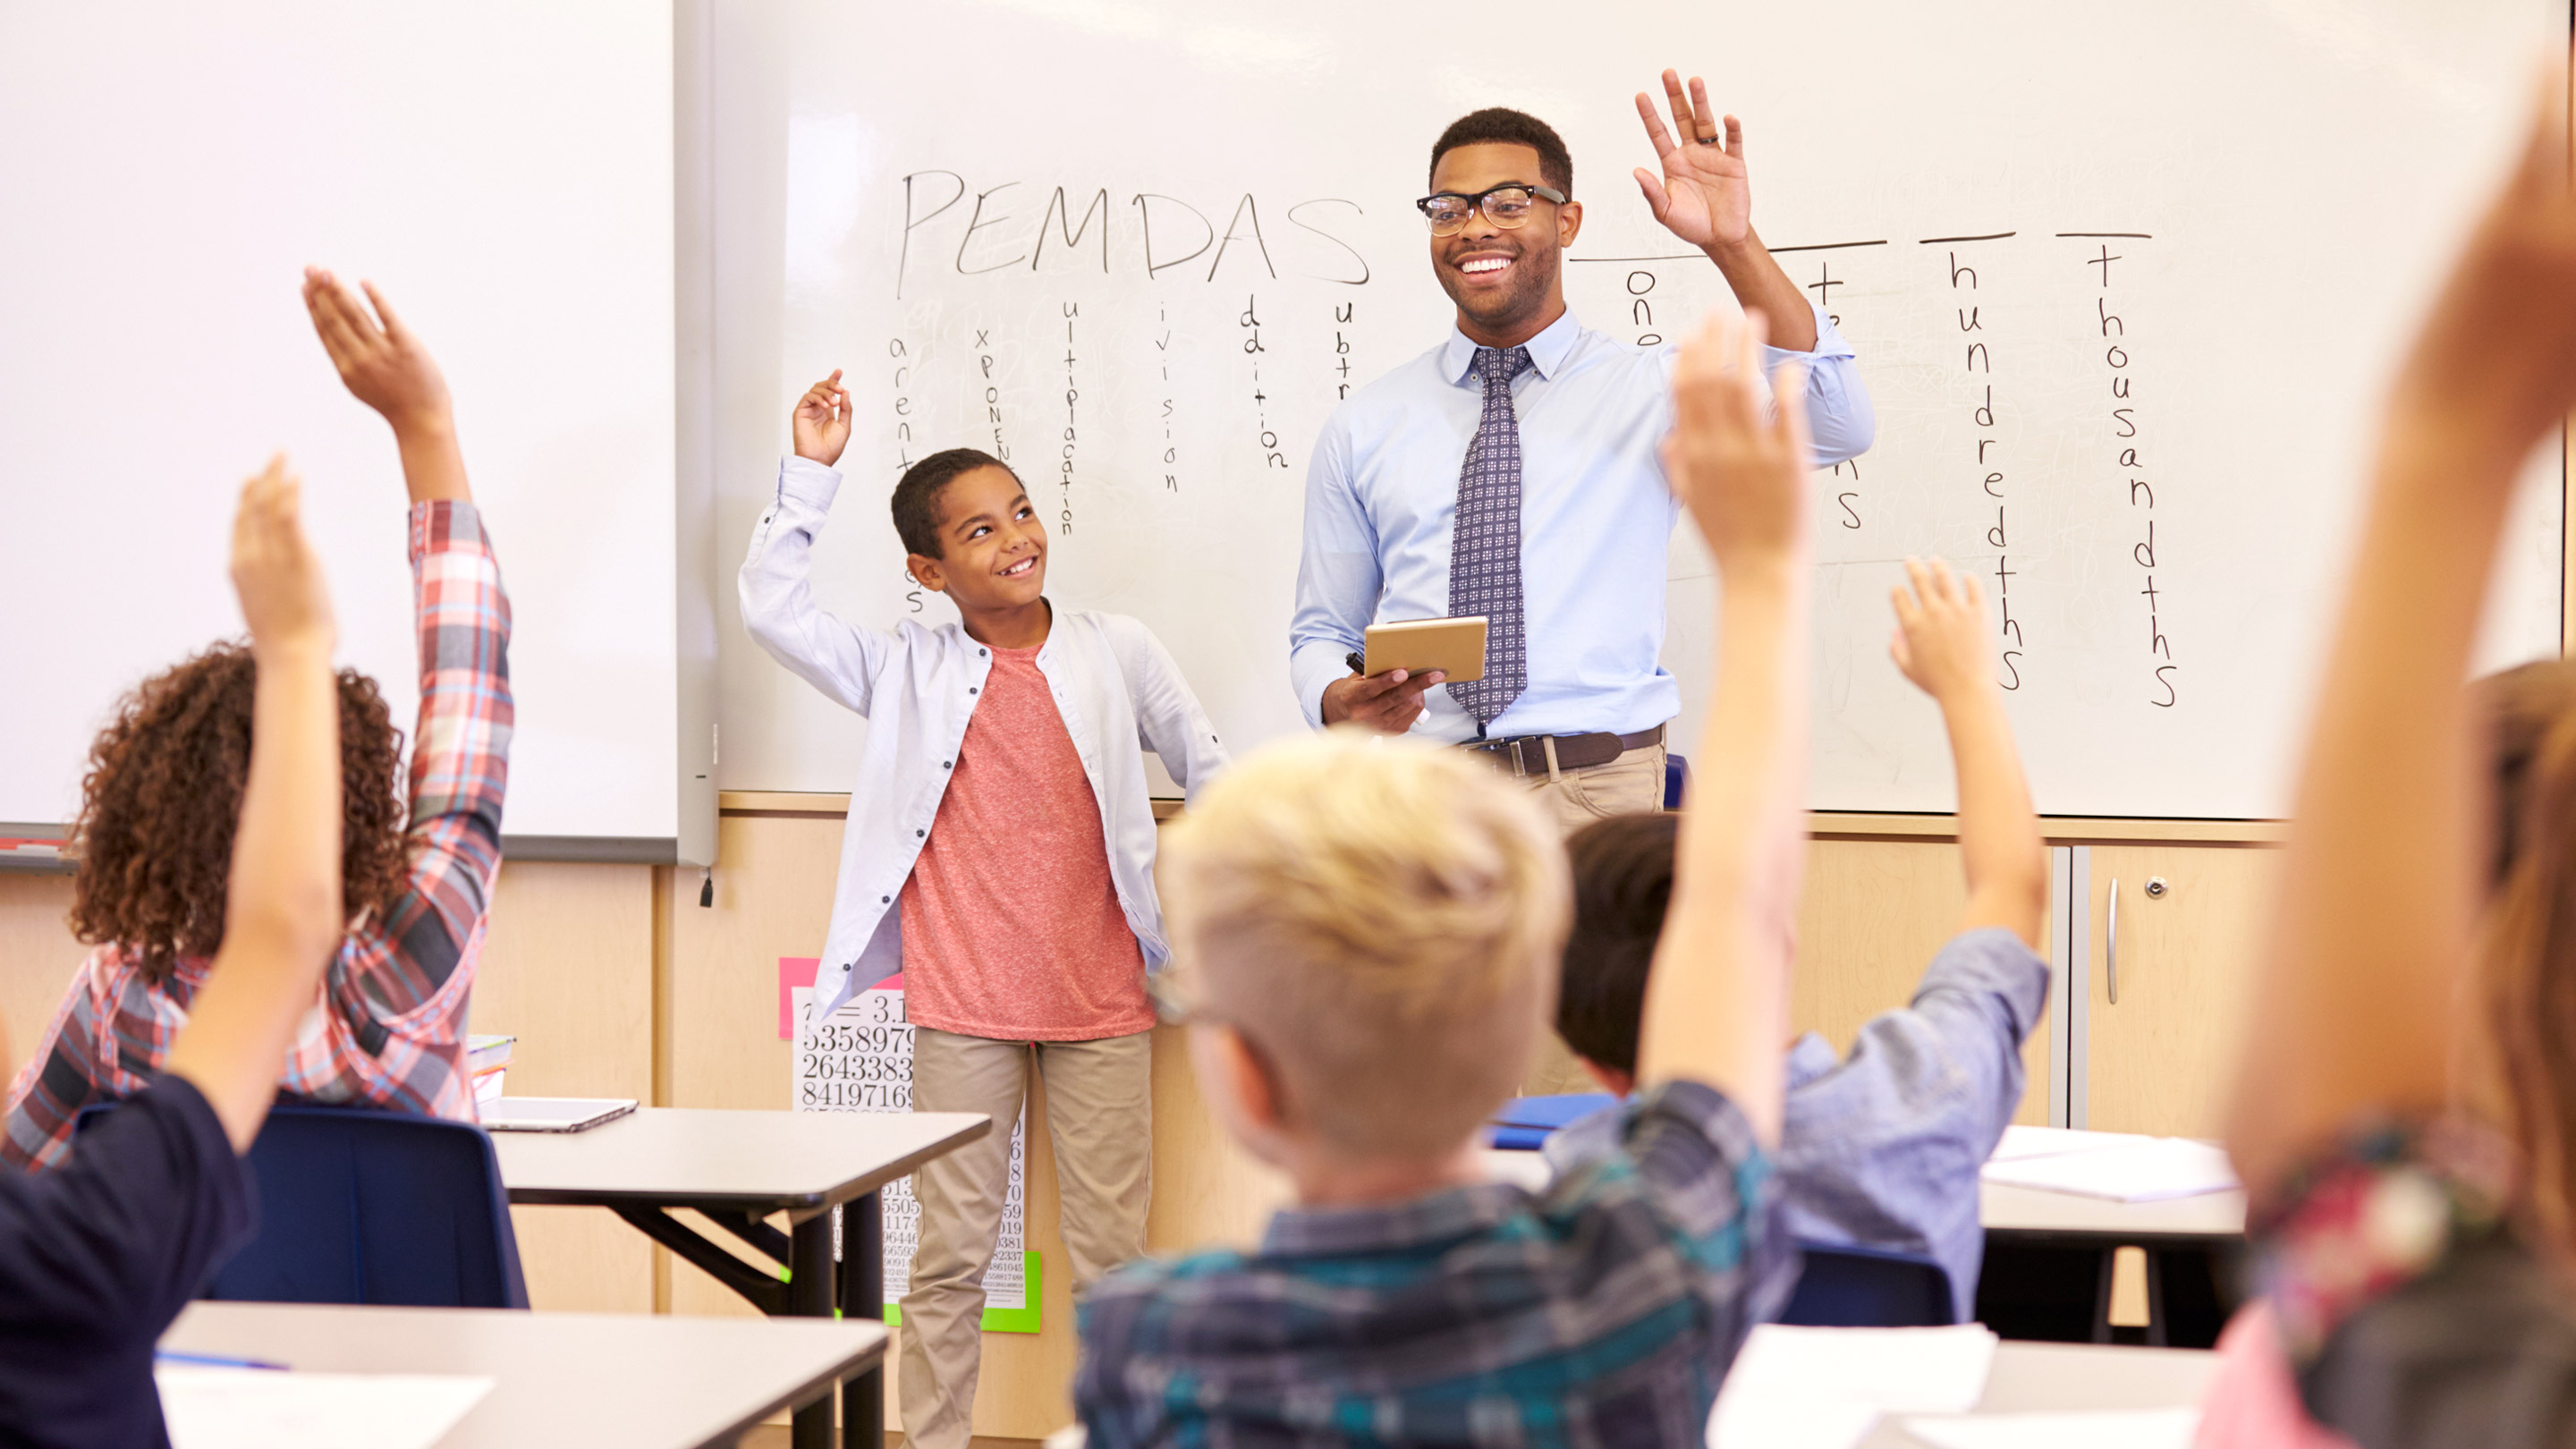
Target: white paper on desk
(228,1408)
(1822,1388)
(2092,1429)
(2166,1167)
(2020,1142)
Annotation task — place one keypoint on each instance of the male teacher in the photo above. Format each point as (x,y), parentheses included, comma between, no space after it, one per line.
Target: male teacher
(1512,470)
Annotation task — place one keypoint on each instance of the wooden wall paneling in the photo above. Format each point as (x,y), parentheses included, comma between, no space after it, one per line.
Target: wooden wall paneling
(37,958)
(774,878)
(2161,1060)
(1874,913)
(568,968)
(1208,1192)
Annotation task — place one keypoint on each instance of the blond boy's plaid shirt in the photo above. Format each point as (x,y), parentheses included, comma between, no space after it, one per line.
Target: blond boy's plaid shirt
(389,1025)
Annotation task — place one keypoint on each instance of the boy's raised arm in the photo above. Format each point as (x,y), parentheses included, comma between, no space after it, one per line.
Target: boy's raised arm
(1715,1000)
(282,913)
(776,588)
(1940,645)
(2380,892)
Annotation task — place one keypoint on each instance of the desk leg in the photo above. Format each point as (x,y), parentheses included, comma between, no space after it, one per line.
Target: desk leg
(809,1295)
(863,1296)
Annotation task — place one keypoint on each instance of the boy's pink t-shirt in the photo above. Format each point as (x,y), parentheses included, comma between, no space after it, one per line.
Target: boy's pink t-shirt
(1011,925)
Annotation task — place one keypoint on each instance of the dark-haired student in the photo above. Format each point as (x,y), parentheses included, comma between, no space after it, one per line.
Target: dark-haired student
(166,776)
(1879,1148)
(97,1258)
(999,854)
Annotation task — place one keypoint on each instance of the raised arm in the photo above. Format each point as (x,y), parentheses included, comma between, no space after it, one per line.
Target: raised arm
(1715,997)
(1705,197)
(1940,645)
(282,908)
(403,977)
(2381,889)
(386,366)
(776,585)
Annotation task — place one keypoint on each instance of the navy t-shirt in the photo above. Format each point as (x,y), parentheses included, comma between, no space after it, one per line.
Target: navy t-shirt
(98,1257)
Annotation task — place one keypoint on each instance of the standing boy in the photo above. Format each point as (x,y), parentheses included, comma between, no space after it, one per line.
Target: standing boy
(1371,931)
(1879,1149)
(1000,854)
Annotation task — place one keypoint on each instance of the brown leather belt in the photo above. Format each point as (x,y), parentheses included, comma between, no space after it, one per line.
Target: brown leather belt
(1533,755)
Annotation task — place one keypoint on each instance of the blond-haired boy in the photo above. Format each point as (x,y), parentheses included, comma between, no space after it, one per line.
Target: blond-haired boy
(1370,931)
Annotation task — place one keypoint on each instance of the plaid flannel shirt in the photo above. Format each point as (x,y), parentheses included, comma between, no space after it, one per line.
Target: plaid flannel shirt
(1600,1313)
(389,1025)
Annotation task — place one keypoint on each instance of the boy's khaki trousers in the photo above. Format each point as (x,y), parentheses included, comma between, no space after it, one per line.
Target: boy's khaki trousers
(1100,1117)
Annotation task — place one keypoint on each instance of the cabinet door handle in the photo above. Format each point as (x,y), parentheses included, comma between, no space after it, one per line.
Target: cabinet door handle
(2111,946)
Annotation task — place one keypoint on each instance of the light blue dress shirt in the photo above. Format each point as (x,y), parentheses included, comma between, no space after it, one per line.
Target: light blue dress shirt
(1596,519)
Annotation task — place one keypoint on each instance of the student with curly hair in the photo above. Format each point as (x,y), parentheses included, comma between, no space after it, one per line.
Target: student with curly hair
(165,785)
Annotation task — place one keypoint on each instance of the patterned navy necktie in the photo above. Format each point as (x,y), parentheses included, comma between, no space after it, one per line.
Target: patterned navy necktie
(1485,541)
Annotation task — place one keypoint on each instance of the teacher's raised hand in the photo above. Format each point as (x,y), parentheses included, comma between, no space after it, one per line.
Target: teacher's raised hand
(1704,196)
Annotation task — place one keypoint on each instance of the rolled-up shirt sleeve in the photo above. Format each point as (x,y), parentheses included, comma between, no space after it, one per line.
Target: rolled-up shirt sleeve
(1841,420)
(1338,577)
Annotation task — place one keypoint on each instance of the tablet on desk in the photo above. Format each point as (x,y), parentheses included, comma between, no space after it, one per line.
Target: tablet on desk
(1455,647)
(553,1114)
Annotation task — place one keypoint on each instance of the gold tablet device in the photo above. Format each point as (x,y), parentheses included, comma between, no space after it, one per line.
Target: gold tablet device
(1455,647)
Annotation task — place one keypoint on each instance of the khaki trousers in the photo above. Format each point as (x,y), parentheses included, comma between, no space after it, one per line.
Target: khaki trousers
(1100,1117)
(1629,785)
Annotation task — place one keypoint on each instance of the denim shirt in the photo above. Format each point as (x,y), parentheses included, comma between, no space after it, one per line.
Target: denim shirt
(1118,690)
(1881,1149)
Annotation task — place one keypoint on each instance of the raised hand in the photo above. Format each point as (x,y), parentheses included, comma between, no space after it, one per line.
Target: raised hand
(1703,196)
(1739,469)
(822,421)
(276,576)
(381,362)
(1940,639)
(2495,365)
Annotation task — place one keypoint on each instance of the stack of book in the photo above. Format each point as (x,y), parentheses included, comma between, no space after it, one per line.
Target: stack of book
(487,1057)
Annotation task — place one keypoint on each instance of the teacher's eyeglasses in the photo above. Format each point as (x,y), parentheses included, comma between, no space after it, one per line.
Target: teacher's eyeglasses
(1505,206)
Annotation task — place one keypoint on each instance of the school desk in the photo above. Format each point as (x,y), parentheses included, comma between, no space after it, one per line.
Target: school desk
(2049,1259)
(636,1380)
(2059,1377)
(738,1168)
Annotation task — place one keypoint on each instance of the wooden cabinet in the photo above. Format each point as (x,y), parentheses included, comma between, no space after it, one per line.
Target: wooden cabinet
(2165,994)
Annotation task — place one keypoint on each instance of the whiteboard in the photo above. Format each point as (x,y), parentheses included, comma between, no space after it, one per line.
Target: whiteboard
(504,171)
(1141,246)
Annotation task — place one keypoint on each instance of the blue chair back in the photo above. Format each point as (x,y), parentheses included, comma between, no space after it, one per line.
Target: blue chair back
(1846,1287)
(358,1205)
(361,1206)
(1676,775)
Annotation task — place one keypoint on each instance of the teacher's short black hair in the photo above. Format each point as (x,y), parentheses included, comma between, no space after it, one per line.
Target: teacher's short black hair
(916,495)
(1513,128)
(1623,882)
